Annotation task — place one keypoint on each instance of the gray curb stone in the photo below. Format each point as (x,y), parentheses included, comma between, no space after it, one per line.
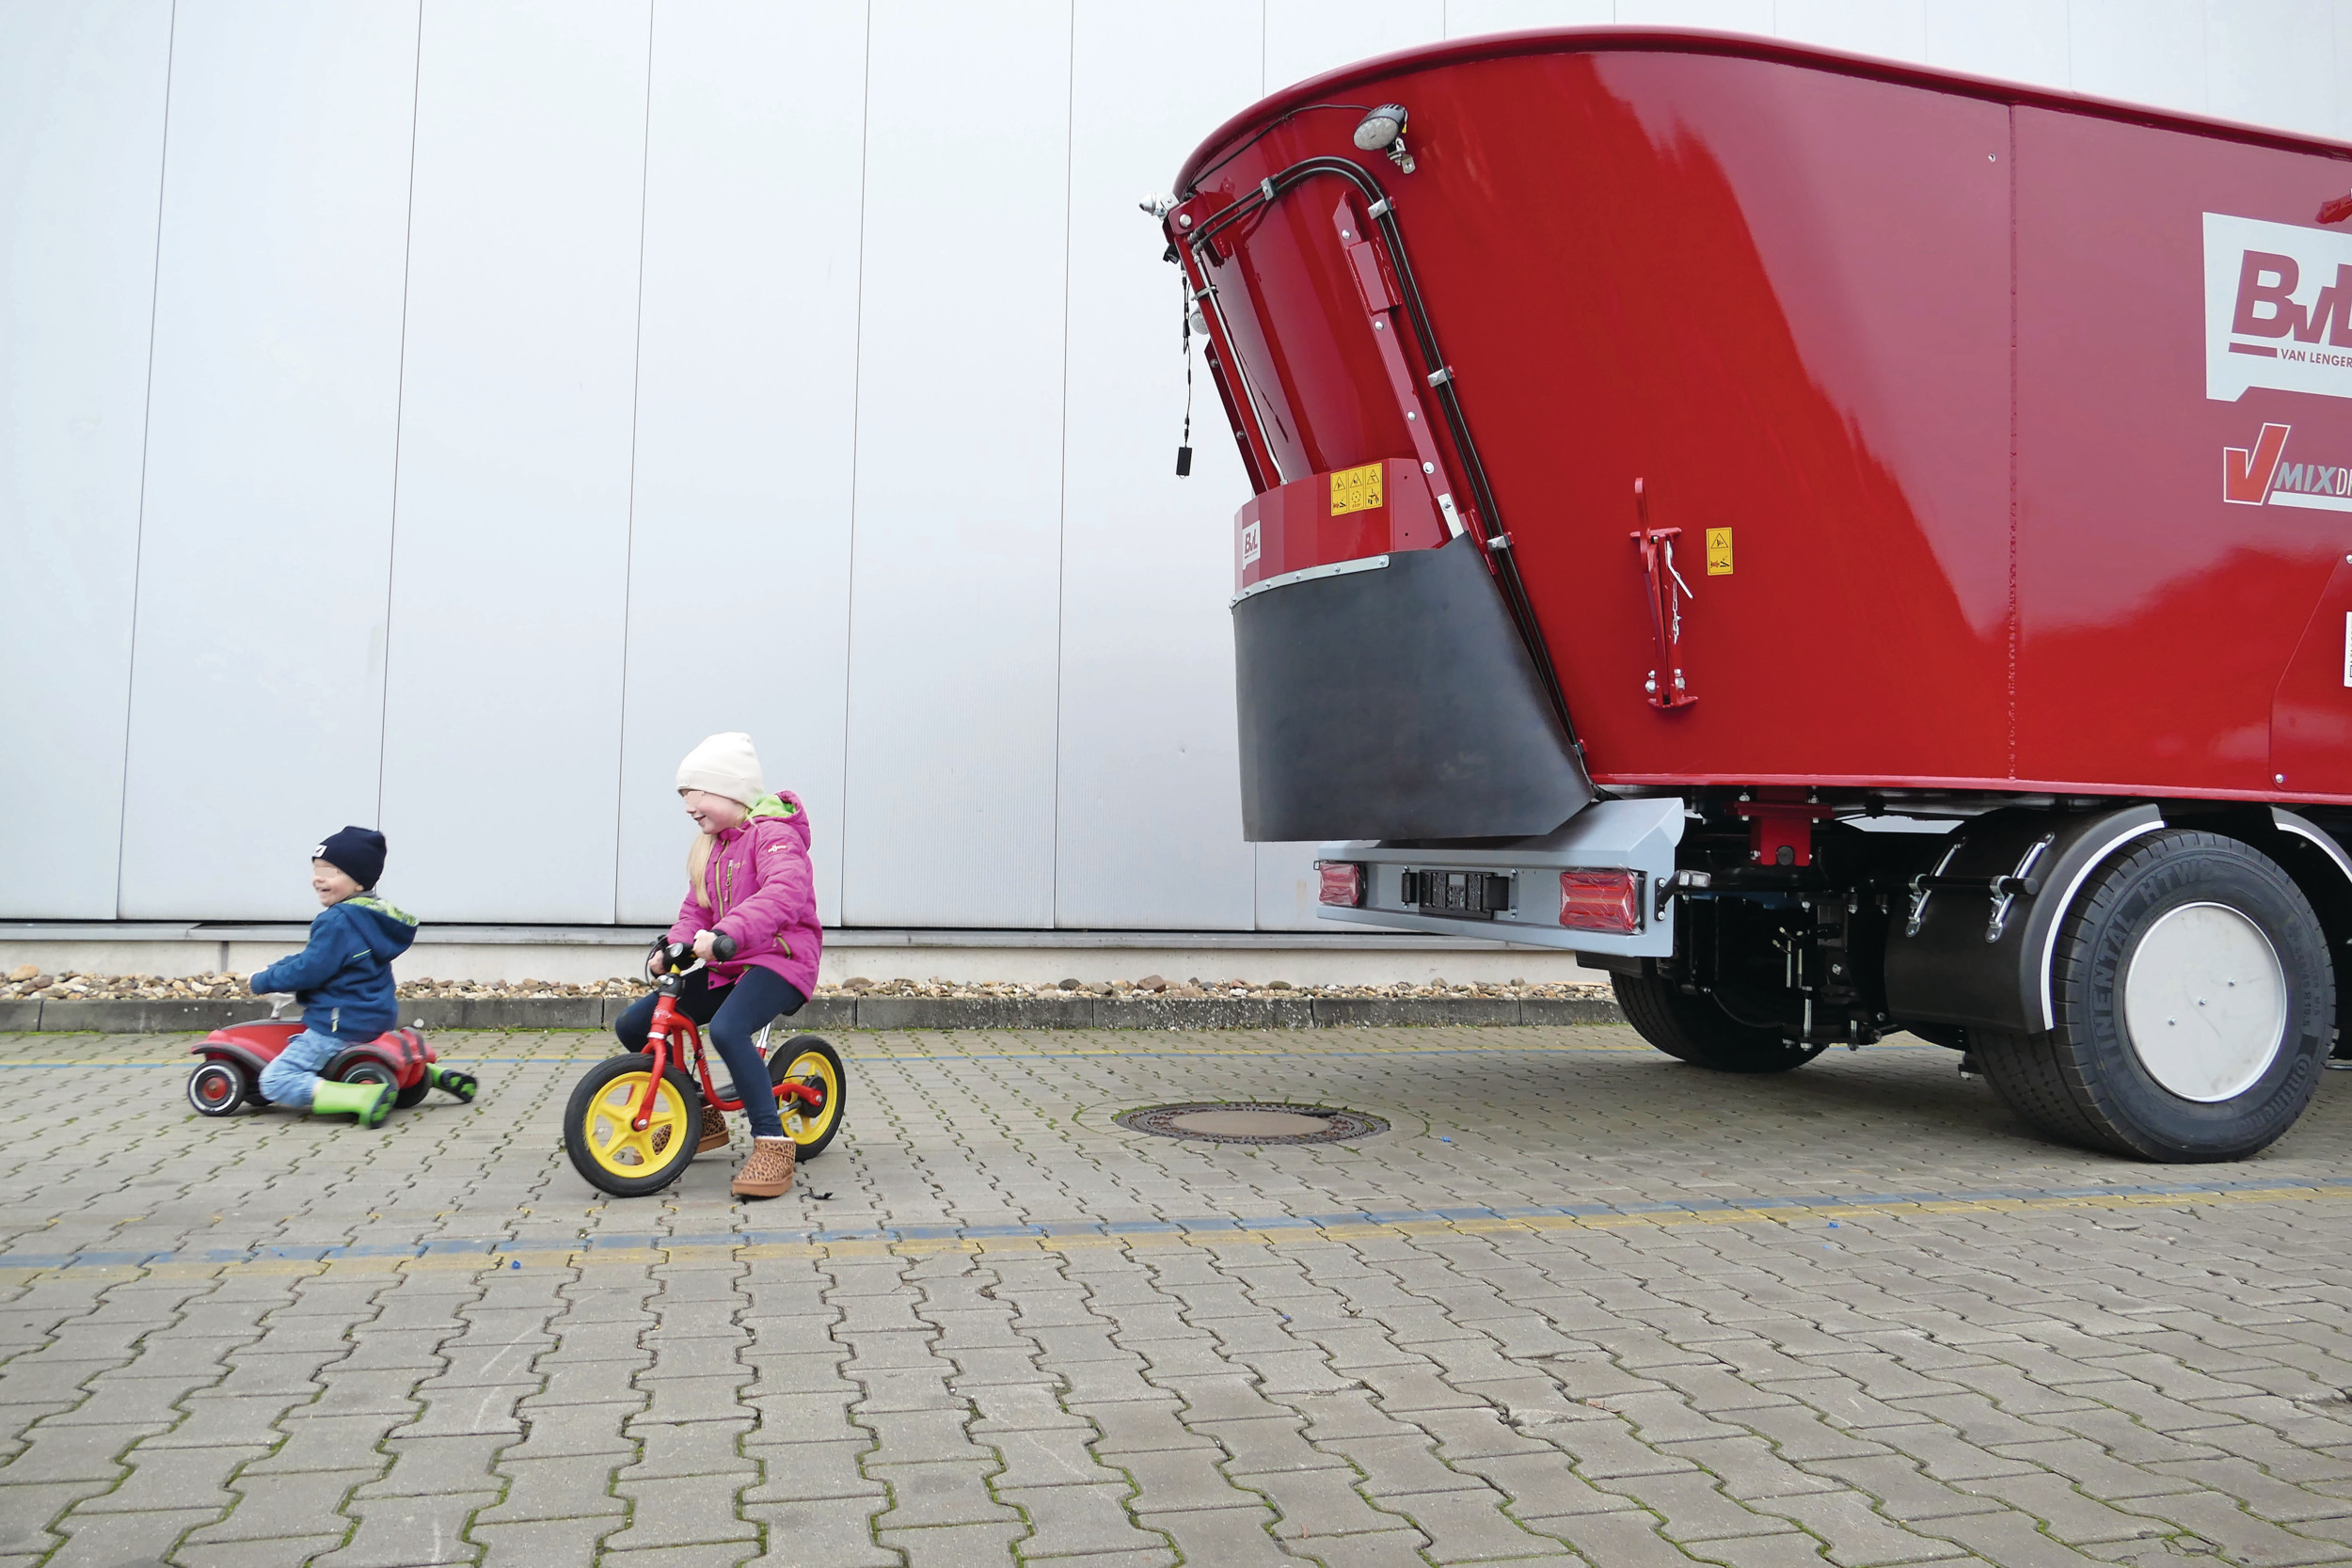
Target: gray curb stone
(871,1012)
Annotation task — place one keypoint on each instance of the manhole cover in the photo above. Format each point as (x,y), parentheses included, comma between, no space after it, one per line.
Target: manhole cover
(1246,1122)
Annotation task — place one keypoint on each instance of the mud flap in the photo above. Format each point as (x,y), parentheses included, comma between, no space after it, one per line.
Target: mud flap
(1965,956)
(1396,704)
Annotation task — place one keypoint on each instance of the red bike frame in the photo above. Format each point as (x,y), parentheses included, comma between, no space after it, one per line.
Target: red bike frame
(662,1042)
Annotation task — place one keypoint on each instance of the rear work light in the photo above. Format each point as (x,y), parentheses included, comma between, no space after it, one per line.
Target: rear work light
(1342,883)
(1601,901)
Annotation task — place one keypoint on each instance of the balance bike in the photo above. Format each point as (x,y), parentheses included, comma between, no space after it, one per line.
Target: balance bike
(230,1077)
(634,1120)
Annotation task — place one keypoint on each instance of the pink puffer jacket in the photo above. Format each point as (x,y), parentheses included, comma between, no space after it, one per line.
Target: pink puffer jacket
(759,889)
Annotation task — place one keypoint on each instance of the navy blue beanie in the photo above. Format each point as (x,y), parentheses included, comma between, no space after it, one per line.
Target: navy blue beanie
(356,853)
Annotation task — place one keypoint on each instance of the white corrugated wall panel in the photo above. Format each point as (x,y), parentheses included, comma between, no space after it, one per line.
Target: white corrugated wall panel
(2341,55)
(1889,29)
(739,552)
(2146,51)
(510,550)
(2017,40)
(271,427)
(1306,37)
(954,594)
(1467,18)
(1150,794)
(1729,16)
(82,108)
(2272,62)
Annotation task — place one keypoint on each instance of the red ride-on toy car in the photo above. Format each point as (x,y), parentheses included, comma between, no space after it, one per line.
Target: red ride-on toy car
(230,1076)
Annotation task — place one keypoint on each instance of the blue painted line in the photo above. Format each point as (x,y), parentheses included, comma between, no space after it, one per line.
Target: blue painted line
(1208,1225)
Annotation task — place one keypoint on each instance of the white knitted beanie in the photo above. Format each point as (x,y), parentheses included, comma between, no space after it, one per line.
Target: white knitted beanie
(724,765)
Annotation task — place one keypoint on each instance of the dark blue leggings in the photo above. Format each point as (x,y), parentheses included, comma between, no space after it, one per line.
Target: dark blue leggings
(730,1015)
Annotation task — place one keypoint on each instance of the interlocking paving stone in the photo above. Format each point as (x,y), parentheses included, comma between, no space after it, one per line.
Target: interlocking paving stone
(1581,1305)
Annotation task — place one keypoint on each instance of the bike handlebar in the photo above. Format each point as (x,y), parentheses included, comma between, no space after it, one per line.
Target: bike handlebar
(672,956)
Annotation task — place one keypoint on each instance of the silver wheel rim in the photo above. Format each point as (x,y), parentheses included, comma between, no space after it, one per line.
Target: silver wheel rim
(2205,1002)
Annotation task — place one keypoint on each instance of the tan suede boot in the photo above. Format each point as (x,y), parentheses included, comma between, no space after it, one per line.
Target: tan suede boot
(714,1129)
(769,1172)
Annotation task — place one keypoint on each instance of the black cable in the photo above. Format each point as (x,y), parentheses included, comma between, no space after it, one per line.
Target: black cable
(1183,450)
(1193,188)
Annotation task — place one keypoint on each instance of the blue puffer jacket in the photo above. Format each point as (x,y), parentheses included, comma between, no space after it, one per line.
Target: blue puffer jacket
(343,979)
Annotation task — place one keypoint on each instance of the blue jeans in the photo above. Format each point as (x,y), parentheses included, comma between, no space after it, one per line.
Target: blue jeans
(293,1079)
(730,1015)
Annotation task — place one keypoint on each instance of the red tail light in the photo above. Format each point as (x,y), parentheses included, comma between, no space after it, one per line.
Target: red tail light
(1601,901)
(1342,883)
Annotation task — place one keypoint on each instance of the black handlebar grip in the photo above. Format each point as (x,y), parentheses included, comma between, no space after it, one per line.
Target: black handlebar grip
(721,946)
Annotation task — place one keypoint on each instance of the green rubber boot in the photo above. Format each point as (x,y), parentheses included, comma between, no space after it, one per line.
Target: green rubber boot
(370,1102)
(450,1081)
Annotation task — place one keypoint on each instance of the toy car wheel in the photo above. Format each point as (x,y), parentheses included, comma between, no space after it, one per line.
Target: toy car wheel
(370,1072)
(2194,1000)
(613,1154)
(216,1090)
(412,1095)
(812,1061)
(1697,1030)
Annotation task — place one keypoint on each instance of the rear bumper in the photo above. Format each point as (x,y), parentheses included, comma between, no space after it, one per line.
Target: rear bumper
(1616,835)
(1396,702)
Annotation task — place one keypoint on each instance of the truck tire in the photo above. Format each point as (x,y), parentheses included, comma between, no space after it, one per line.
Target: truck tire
(1695,1029)
(2194,999)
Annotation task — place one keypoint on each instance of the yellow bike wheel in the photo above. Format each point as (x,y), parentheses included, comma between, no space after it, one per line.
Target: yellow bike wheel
(613,1154)
(810,1059)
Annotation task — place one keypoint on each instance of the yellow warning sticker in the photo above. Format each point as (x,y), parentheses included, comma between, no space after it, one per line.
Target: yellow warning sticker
(1719,552)
(1356,489)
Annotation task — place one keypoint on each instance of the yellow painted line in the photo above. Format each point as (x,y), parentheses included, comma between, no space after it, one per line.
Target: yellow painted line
(710,1255)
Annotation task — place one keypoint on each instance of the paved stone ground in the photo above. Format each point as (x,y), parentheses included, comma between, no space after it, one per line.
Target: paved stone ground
(1580,1303)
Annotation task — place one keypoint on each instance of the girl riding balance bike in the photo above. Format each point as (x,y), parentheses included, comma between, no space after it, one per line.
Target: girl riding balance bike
(743,952)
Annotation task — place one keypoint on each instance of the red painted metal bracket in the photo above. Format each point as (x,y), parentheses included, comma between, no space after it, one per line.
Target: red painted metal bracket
(1780,833)
(1381,304)
(1668,686)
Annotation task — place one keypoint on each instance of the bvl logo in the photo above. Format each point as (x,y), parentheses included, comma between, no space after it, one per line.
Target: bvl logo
(2261,476)
(2277,308)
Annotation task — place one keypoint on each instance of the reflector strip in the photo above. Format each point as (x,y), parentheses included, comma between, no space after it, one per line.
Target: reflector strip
(1335,569)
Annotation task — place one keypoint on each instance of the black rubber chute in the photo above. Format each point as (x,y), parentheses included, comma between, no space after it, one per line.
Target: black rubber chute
(1396,704)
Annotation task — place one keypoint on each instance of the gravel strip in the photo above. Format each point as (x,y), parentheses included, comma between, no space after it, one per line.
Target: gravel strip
(25,982)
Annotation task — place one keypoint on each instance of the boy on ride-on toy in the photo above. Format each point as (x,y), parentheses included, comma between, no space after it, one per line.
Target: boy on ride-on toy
(748,878)
(343,980)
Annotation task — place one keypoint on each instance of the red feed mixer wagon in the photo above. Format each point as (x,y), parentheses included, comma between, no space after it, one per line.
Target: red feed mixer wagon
(1843,548)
